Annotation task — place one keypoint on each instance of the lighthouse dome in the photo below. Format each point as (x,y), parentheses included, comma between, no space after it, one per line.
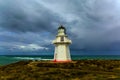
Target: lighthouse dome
(61,27)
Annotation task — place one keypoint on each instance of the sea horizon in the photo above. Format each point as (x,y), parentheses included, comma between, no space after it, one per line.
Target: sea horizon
(8,59)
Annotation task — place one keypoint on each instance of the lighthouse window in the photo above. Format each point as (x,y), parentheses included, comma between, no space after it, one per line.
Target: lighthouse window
(62,38)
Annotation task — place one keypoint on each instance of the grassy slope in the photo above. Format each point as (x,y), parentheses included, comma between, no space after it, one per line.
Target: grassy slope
(76,70)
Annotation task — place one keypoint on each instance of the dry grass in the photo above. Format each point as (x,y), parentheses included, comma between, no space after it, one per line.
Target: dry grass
(76,70)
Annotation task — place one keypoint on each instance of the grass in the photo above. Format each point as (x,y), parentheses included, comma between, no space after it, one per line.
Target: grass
(76,70)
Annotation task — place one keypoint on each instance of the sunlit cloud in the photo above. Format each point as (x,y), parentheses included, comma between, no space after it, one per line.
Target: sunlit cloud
(31,47)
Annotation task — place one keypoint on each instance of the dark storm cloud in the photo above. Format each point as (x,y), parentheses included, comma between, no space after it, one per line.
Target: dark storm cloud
(27,16)
(94,24)
(91,24)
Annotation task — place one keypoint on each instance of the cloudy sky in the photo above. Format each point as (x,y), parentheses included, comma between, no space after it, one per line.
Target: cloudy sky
(31,25)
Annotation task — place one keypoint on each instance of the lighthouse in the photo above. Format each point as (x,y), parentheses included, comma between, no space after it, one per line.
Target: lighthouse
(61,42)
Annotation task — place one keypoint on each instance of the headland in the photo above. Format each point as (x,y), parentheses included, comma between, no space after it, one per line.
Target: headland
(75,70)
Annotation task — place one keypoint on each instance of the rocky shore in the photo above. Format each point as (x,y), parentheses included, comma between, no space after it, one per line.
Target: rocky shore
(75,70)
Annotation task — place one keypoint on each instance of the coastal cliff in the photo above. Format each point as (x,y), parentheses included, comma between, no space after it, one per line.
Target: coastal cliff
(75,70)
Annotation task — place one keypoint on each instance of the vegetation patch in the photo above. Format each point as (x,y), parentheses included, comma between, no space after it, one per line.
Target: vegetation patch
(75,70)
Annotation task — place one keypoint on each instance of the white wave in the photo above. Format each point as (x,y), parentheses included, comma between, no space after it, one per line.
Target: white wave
(30,58)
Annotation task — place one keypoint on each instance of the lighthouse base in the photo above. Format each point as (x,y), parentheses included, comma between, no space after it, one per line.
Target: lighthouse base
(62,61)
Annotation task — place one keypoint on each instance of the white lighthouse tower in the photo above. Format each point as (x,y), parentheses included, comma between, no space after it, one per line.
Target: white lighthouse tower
(62,52)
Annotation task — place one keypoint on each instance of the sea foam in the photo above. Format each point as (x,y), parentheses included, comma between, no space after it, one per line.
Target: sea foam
(30,58)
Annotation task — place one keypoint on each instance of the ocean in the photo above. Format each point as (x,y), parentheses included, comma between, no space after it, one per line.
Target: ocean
(4,60)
